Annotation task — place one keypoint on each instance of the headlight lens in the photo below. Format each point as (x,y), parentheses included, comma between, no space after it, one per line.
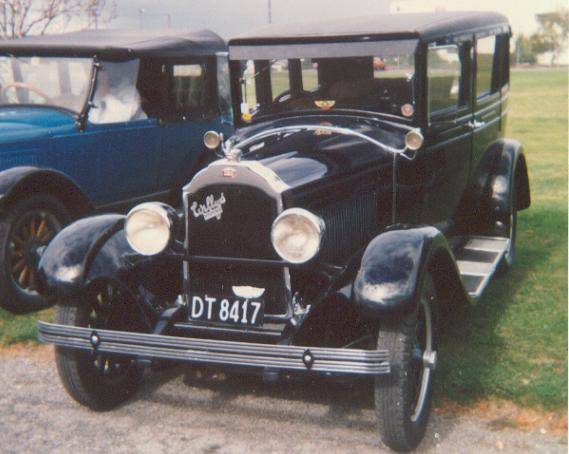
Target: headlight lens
(148,228)
(296,235)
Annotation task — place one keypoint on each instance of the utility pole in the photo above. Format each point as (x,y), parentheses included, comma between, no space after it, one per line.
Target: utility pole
(270,12)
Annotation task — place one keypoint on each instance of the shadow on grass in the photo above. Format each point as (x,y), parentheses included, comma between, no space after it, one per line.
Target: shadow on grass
(483,352)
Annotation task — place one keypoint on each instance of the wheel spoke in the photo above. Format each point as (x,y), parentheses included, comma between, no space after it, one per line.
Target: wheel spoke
(46,237)
(33,227)
(41,228)
(17,252)
(18,266)
(19,241)
(23,276)
(32,279)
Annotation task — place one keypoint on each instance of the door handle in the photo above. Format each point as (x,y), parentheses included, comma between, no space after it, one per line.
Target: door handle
(474,124)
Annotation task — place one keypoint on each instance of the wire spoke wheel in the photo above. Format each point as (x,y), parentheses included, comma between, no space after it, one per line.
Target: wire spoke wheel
(33,231)
(403,398)
(111,308)
(100,380)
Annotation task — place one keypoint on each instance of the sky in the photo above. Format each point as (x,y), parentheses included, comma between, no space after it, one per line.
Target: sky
(231,17)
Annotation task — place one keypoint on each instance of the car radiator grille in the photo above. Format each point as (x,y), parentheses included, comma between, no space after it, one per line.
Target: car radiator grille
(241,231)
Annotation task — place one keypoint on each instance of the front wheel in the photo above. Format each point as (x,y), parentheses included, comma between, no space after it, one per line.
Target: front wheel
(403,398)
(97,380)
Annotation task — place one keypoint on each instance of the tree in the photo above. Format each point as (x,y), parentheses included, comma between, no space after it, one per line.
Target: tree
(524,50)
(31,17)
(553,33)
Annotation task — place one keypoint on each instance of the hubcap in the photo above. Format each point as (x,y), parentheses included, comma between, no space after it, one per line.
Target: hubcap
(28,236)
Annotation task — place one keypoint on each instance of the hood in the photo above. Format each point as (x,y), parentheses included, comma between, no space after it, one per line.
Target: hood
(307,156)
(31,123)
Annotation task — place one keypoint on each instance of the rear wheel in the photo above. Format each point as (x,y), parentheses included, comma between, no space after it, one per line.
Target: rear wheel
(27,226)
(511,228)
(403,398)
(97,380)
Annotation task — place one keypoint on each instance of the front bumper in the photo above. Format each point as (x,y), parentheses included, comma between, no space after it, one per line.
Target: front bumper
(286,358)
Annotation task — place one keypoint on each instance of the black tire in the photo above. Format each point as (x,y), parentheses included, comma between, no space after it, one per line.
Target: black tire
(403,398)
(27,225)
(100,382)
(511,226)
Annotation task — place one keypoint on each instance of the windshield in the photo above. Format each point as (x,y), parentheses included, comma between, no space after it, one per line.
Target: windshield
(381,84)
(45,81)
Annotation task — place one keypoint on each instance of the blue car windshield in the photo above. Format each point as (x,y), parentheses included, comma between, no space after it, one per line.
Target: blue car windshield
(45,81)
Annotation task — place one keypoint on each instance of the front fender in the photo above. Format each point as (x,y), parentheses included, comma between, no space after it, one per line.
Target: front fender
(394,265)
(22,181)
(91,247)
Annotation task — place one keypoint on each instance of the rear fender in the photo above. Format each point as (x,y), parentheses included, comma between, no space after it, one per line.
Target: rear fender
(393,268)
(510,174)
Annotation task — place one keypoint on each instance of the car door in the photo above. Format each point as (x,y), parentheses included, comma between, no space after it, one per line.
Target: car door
(193,109)
(125,139)
(487,96)
(446,161)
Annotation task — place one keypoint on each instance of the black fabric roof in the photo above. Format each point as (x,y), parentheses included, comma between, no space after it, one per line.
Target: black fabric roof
(425,26)
(118,44)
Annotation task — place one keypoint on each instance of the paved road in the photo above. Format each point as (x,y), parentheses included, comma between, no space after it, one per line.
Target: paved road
(181,410)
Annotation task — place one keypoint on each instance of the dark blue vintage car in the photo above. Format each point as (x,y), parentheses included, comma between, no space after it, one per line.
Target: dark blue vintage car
(97,120)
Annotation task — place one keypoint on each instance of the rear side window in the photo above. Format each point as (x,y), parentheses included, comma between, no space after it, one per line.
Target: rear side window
(485,67)
(444,73)
(192,89)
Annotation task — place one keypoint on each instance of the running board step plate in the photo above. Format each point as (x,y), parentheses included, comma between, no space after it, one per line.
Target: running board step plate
(478,259)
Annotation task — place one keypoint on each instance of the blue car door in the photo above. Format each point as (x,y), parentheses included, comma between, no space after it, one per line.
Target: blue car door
(127,142)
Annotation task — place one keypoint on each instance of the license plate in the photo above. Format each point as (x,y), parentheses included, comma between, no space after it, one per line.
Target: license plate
(236,311)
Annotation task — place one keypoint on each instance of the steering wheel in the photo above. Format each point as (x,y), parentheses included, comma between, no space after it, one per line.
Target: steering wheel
(28,87)
(287,96)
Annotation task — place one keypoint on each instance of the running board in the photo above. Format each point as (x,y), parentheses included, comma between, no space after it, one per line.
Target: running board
(478,259)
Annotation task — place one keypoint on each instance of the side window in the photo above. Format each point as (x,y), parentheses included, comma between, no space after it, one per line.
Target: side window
(280,82)
(309,74)
(116,97)
(485,49)
(191,89)
(444,73)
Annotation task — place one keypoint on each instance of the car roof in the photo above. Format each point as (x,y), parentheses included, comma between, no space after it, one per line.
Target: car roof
(423,26)
(118,44)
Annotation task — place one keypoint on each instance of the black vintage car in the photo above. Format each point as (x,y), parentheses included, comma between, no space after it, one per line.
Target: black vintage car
(367,192)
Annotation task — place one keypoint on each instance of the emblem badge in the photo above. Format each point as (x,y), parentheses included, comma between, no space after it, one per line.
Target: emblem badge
(212,208)
(325,104)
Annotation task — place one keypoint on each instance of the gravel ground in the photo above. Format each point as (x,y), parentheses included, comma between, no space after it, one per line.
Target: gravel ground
(181,409)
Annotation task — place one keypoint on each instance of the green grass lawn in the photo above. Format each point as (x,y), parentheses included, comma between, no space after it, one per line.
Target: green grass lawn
(513,344)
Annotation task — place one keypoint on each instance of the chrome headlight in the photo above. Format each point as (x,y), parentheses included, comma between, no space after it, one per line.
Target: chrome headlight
(149,227)
(297,234)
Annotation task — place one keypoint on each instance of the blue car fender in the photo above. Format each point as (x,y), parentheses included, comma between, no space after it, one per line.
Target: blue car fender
(24,180)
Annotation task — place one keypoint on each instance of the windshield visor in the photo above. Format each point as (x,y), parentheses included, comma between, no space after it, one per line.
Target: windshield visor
(379,83)
(45,81)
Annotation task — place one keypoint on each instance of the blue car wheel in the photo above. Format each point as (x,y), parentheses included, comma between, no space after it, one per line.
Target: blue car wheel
(25,229)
